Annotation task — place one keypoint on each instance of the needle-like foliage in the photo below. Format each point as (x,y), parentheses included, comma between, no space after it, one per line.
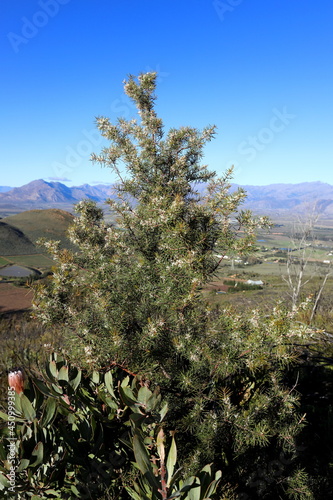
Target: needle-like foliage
(131,297)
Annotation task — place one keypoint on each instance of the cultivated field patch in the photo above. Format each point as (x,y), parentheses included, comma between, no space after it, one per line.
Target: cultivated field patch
(38,261)
(4,261)
(13,298)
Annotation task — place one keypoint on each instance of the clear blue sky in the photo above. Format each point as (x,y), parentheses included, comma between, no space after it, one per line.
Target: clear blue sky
(260,70)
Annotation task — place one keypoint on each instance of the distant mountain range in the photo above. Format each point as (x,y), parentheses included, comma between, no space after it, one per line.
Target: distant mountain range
(40,192)
(284,198)
(274,199)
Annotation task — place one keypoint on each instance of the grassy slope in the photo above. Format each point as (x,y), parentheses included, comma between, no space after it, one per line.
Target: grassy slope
(51,224)
(14,241)
(4,261)
(38,260)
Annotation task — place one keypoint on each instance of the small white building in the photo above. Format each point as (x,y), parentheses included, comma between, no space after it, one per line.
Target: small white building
(252,282)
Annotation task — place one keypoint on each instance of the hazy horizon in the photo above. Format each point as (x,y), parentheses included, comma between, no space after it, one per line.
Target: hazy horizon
(93,184)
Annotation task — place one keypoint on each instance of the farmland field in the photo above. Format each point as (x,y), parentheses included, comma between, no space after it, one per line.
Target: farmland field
(267,264)
(4,261)
(14,299)
(38,261)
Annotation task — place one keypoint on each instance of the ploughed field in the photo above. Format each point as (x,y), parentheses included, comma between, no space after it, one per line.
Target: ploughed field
(13,298)
(21,259)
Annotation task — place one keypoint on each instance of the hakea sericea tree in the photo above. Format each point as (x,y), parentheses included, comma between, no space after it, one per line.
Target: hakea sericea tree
(137,282)
(130,297)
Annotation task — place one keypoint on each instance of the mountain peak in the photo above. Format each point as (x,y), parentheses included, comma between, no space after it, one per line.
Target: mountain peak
(39,191)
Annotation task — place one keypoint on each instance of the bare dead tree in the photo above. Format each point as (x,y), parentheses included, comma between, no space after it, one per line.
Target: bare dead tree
(298,255)
(328,273)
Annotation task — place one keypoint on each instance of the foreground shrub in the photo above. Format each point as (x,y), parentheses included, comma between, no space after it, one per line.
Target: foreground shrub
(76,434)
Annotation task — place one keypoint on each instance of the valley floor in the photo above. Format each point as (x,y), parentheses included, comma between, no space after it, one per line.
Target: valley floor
(14,298)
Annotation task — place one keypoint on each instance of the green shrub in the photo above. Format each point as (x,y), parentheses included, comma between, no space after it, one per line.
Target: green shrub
(130,297)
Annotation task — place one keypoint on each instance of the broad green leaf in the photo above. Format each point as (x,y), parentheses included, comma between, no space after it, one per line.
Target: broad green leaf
(27,408)
(107,399)
(213,485)
(95,377)
(108,380)
(205,477)
(171,460)
(75,491)
(135,495)
(160,445)
(125,382)
(127,397)
(164,411)
(49,411)
(58,390)
(75,382)
(195,491)
(143,462)
(38,452)
(188,484)
(18,404)
(48,391)
(4,416)
(58,358)
(71,418)
(24,463)
(57,494)
(144,395)
(42,387)
(4,481)
(63,373)
(137,417)
(52,369)
(174,479)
